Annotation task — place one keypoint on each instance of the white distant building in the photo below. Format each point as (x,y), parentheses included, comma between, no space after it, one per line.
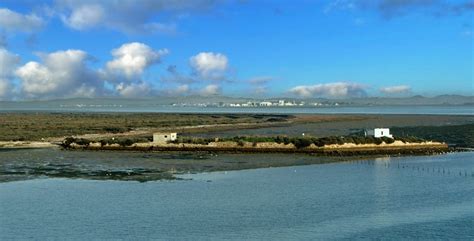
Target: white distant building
(163,138)
(379,132)
(266,103)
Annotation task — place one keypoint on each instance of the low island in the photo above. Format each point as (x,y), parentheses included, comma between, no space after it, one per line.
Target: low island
(327,146)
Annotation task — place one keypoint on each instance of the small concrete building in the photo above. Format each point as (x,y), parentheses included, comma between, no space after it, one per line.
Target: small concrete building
(379,132)
(163,138)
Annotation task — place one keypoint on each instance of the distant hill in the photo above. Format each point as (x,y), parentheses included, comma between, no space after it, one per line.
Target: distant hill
(417,100)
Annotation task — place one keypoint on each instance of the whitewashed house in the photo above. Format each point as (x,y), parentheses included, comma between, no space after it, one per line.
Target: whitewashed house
(379,132)
(163,138)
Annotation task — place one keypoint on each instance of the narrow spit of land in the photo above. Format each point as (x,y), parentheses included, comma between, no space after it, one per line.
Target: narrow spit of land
(47,130)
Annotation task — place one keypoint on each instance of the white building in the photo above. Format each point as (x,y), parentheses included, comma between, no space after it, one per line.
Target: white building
(266,103)
(379,132)
(163,138)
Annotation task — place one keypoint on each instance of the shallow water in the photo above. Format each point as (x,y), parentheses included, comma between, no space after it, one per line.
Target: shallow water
(388,198)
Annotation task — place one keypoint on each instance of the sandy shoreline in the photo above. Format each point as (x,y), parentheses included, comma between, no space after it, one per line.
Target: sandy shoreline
(27,144)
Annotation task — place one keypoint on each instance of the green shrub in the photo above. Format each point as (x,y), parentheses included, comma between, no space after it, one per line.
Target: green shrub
(67,142)
(82,141)
(302,142)
(388,140)
(125,142)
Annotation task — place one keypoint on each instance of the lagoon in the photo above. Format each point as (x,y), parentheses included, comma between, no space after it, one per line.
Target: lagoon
(422,197)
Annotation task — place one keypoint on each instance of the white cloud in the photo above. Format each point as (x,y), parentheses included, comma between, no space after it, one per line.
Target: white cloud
(132,59)
(210,66)
(337,89)
(210,90)
(399,89)
(66,73)
(84,17)
(17,22)
(129,16)
(182,89)
(134,90)
(61,74)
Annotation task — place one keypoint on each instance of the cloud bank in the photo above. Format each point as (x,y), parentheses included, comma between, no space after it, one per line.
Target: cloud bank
(68,73)
(399,89)
(210,90)
(128,16)
(335,90)
(395,8)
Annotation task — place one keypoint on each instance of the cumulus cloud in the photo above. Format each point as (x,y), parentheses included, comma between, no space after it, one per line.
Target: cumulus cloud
(210,66)
(16,22)
(129,16)
(182,89)
(67,74)
(337,90)
(131,59)
(84,17)
(210,90)
(61,74)
(399,89)
(134,89)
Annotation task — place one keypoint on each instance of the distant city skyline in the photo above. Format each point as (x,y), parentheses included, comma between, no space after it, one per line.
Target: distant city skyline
(305,49)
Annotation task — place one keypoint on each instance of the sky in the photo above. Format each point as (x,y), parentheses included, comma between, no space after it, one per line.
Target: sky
(268,48)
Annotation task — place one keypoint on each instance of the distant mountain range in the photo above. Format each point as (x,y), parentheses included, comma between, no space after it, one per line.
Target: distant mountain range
(219,100)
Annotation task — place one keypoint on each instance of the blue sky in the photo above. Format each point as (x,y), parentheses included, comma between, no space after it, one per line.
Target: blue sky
(333,48)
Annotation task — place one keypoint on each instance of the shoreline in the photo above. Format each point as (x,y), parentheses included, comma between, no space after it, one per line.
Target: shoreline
(350,149)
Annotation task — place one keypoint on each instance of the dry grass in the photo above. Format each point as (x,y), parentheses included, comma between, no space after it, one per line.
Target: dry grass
(35,126)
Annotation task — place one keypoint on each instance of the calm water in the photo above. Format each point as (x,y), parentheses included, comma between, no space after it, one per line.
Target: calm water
(426,110)
(384,198)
